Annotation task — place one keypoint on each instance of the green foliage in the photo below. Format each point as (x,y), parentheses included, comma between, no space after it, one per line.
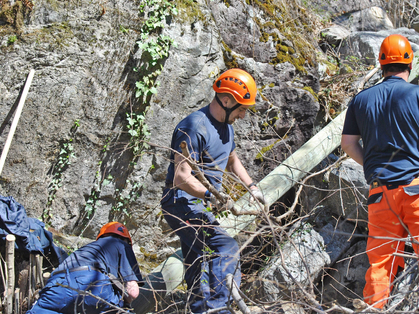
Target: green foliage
(123,201)
(11,40)
(123,30)
(65,155)
(154,48)
(139,132)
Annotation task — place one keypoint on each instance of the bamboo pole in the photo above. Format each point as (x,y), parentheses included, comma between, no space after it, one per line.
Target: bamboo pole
(10,257)
(168,275)
(16,119)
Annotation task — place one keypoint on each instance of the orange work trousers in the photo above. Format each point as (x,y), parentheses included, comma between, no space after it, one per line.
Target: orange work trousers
(392,213)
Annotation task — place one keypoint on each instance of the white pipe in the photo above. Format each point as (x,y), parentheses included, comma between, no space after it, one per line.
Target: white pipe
(16,119)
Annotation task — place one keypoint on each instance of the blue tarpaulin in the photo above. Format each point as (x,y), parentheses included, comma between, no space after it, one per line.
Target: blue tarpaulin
(31,236)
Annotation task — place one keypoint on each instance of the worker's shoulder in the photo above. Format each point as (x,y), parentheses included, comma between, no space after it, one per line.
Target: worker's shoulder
(195,120)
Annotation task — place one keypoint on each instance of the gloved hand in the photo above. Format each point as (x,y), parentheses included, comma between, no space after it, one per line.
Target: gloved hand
(257,194)
(221,206)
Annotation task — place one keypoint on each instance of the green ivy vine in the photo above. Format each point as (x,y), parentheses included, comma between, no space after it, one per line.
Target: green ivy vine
(65,155)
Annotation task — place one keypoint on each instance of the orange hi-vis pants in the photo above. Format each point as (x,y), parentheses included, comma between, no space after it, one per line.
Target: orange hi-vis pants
(391,211)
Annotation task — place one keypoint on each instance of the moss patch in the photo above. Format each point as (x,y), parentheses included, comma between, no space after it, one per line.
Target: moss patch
(188,12)
(57,35)
(266,149)
(15,15)
(229,59)
(294,24)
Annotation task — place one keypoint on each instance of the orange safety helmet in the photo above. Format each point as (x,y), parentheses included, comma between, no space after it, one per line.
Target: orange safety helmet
(115,227)
(238,83)
(395,49)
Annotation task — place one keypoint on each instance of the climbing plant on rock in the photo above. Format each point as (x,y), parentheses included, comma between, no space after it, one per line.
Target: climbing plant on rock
(154,48)
(66,153)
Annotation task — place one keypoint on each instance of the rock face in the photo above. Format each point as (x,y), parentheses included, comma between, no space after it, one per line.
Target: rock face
(72,161)
(87,150)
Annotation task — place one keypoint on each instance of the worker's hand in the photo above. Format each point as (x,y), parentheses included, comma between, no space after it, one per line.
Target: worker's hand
(257,194)
(219,205)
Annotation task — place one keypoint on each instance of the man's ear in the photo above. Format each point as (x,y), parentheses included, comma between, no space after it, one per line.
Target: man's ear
(225,100)
(410,65)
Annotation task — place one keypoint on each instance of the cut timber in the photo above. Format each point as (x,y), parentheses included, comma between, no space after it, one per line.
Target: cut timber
(168,275)
(10,257)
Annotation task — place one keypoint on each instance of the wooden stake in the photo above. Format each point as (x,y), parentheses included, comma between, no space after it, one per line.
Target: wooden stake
(30,294)
(39,277)
(45,277)
(10,256)
(3,276)
(16,119)
(17,301)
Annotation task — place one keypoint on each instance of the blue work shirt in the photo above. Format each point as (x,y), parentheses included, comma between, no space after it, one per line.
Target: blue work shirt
(210,144)
(386,116)
(109,254)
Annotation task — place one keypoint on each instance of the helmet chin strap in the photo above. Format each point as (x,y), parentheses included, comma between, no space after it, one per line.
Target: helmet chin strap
(227,110)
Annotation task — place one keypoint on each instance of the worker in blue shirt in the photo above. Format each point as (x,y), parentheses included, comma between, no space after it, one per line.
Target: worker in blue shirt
(209,252)
(106,268)
(386,118)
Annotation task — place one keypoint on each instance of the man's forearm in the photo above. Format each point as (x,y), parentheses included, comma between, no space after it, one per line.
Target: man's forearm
(235,166)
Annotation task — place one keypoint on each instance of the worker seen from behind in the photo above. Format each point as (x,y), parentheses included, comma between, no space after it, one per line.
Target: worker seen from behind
(209,252)
(386,118)
(106,269)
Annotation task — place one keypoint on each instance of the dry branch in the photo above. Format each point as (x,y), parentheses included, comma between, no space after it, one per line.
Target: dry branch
(201,177)
(231,285)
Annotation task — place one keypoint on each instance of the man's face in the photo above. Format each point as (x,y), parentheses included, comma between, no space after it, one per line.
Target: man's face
(239,113)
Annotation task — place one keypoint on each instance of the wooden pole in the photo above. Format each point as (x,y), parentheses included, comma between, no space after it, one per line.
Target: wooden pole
(10,256)
(16,119)
(40,279)
(30,292)
(3,276)
(17,301)
(45,277)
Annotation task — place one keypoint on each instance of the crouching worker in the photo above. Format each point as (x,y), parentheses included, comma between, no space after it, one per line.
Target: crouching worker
(106,269)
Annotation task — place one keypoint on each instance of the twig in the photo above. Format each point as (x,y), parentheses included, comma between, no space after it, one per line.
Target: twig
(231,285)
(201,177)
(366,78)
(406,255)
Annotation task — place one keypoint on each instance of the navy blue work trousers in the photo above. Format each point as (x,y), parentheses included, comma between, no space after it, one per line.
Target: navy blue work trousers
(209,252)
(63,293)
